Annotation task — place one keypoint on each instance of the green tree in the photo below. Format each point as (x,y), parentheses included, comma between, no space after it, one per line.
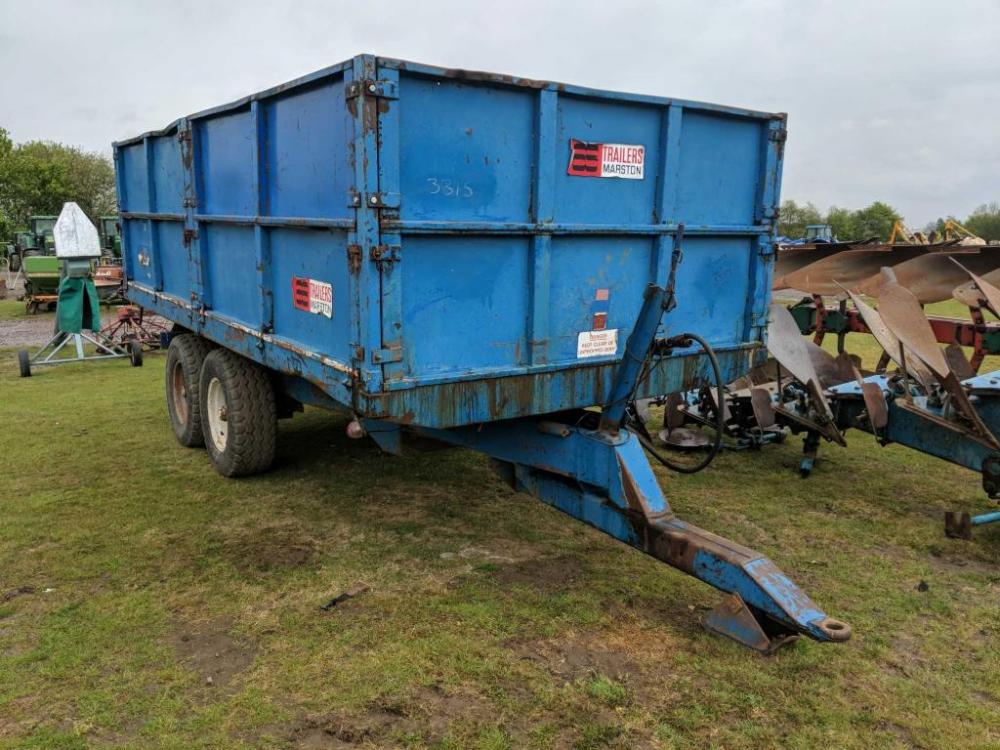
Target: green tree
(936,226)
(793,218)
(39,176)
(6,147)
(875,220)
(841,221)
(985,221)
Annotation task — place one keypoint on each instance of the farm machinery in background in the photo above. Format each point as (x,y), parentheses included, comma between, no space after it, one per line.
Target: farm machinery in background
(921,395)
(31,256)
(77,336)
(109,276)
(36,240)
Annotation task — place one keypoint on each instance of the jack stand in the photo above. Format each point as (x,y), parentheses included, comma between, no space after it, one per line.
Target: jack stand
(810,446)
(733,619)
(959,525)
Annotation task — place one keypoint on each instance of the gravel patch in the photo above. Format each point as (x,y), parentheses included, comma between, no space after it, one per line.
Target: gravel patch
(26,332)
(34,330)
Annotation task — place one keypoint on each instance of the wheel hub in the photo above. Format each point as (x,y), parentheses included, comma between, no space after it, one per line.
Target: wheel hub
(178,388)
(218,422)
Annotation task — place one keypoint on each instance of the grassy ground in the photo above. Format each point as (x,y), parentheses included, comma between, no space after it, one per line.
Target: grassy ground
(12,309)
(147,602)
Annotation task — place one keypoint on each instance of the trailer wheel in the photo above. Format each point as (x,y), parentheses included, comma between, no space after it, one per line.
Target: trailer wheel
(185,356)
(239,413)
(135,353)
(24,362)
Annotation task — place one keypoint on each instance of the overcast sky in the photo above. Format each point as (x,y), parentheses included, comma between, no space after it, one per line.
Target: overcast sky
(897,101)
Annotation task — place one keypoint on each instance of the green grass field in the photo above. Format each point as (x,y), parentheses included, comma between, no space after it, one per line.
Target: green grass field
(11,308)
(146,602)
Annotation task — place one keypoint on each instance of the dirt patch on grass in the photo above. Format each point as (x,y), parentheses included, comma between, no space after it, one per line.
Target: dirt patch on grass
(574,658)
(548,575)
(268,548)
(211,651)
(12,594)
(437,709)
(905,657)
(337,731)
(627,655)
(906,653)
(428,711)
(963,562)
(899,732)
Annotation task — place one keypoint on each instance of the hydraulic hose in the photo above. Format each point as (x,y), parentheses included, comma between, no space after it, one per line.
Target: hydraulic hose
(720,420)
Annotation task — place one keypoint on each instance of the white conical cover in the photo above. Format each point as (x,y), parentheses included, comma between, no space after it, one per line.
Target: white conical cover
(75,236)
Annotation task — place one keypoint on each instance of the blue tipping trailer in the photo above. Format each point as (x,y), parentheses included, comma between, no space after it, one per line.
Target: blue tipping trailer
(477,258)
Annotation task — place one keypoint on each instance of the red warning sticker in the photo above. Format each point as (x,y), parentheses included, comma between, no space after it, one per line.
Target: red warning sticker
(622,160)
(312,296)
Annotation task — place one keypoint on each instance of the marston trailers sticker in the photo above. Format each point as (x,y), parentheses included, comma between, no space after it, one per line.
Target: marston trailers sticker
(312,296)
(621,160)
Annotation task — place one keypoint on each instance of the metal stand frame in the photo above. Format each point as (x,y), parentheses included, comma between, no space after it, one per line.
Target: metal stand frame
(59,341)
(71,347)
(12,279)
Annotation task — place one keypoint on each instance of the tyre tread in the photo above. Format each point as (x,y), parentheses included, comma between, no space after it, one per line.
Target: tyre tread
(251,413)
(192,351)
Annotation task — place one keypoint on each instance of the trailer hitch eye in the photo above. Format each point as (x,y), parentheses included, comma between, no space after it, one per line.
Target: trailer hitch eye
(836,630)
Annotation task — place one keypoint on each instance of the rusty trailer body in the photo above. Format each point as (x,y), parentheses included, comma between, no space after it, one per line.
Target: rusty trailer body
(470,256)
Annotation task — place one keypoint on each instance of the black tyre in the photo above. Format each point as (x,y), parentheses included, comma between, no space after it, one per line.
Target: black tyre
(185,356)
(24,362)
(239,416)
(135,353)
(15,263)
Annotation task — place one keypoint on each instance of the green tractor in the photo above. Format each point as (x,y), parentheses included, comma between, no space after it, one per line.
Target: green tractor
(16,249)
(109,275)
(43,227)
(111,240)
(33,253)
(38,239)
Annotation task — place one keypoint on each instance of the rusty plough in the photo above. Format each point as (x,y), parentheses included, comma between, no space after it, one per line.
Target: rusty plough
(922,395)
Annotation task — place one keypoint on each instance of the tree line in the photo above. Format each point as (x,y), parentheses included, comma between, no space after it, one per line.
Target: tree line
(37,177)
(876,220)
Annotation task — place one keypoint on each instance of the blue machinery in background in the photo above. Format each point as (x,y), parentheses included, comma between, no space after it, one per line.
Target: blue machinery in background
(934,403)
